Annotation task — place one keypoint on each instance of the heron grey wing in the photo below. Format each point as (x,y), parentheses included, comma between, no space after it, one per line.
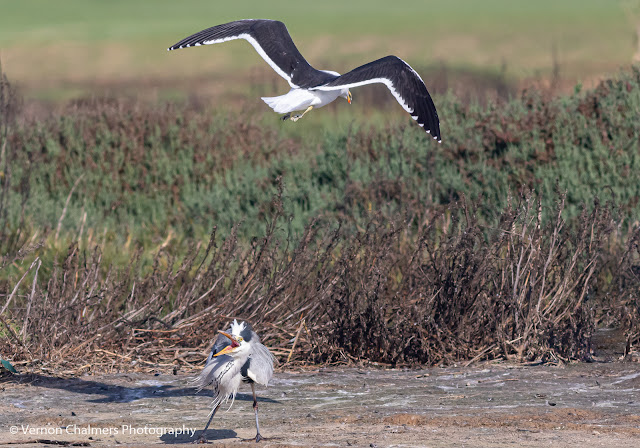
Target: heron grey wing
(210,371)
(260,368)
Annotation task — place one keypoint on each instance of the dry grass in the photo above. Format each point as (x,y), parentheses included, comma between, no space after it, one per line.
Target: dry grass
(430,290)
(422,281)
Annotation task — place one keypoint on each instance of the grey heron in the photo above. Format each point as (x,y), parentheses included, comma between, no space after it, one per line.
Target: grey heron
(311,88)
(237,358)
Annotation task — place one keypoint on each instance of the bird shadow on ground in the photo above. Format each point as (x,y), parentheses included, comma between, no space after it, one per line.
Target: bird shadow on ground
(211,434)
(115,393)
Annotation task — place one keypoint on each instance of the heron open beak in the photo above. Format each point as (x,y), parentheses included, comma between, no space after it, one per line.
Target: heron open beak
(229,348)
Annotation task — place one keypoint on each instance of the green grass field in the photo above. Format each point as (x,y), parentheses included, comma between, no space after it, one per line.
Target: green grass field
(64,48)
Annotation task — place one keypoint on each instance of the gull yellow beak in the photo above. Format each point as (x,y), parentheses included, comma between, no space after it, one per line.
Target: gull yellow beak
(349,97)
(229,348)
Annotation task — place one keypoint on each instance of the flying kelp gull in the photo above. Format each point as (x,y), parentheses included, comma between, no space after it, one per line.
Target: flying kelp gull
(316,88)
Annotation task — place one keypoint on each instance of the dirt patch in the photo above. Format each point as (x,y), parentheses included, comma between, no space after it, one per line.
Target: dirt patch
(406,419)
(561,419)
(492,406)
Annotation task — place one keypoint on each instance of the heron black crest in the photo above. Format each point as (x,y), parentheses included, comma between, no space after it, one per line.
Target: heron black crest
(243,329)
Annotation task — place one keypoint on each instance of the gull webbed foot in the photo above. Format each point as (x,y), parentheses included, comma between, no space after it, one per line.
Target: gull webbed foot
(296,117)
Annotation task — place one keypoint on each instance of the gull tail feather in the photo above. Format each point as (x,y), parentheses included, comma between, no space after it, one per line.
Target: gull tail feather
(277,104)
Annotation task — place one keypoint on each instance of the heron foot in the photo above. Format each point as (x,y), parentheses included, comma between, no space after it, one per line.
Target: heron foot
(257,439)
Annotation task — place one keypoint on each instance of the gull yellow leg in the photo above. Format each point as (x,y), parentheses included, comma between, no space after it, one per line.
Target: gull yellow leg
(297,117)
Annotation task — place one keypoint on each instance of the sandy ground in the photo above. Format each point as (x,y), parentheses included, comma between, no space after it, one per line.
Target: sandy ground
(497,405)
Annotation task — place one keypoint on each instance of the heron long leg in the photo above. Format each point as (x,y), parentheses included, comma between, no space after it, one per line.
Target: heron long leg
(297,117)
(203,438)
(255,409)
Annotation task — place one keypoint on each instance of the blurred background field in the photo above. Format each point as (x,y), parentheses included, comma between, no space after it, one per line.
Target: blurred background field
(57,50)
(145,191)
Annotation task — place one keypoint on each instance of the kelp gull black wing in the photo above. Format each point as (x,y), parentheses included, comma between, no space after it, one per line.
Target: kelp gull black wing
(403,82)
(272,41)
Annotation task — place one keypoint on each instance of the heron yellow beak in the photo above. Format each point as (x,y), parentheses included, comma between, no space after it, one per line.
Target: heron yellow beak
(229,348)
(349,96)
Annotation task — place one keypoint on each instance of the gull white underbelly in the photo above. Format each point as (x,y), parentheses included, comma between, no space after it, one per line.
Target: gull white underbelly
(300,99)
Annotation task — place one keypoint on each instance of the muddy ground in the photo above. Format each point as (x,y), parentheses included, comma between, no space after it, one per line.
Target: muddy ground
(495,405)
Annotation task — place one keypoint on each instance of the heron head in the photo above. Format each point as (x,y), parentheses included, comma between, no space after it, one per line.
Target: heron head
(346,93)
(238,345)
